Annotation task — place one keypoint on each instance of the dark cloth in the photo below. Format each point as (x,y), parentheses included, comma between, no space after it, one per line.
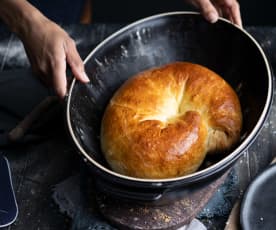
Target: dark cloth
(20,92)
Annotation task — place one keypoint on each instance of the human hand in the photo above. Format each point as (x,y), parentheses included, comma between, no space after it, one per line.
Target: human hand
(212,9)
(49,49)
(47,45)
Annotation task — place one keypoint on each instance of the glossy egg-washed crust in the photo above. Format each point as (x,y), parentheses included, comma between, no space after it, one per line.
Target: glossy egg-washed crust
(162,122)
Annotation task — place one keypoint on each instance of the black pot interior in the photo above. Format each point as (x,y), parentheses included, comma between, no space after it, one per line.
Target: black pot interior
(221,47)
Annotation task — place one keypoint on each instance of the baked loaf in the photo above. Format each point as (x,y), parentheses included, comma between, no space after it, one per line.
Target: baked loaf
(162,122)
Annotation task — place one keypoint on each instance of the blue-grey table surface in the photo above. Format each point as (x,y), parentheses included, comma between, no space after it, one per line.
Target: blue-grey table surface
(37,167)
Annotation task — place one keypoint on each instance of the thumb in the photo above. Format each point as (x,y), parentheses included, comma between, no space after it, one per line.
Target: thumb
(207,9)
(74,60)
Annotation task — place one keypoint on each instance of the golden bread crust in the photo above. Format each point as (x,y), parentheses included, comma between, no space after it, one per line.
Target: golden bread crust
(162,122)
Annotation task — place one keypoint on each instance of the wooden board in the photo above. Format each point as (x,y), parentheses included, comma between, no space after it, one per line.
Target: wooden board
(126,215)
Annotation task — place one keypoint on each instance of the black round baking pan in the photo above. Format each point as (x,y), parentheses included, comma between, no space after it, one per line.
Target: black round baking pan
(154,41)
(258,205)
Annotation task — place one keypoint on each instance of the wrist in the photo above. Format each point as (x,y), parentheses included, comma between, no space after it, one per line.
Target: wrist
(19,15)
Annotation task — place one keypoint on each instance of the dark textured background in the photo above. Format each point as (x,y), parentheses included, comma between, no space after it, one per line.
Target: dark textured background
(254,12)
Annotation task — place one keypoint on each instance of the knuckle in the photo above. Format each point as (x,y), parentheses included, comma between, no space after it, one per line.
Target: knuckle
(55,62)
(77,64)
(229,3)
(71,43)
(42,69)
(206,6)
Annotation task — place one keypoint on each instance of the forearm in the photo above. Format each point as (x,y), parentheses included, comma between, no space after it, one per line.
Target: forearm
(18,15)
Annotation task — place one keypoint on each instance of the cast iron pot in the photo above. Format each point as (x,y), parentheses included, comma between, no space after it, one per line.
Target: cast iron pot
(177,36)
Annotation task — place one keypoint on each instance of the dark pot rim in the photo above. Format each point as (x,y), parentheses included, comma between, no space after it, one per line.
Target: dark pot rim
(226,161)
